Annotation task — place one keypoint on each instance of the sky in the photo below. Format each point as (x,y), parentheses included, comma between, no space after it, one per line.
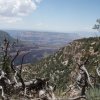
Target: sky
(49,15)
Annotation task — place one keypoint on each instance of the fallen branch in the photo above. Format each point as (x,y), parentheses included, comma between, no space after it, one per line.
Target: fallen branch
(78,97)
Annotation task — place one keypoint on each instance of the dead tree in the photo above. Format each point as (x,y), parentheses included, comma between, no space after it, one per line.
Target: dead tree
(82,82)
(14,75)
(9,68)
(17,73)
(83,79)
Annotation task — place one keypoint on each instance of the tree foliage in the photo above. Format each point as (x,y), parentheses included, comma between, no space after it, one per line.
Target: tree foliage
(97,25)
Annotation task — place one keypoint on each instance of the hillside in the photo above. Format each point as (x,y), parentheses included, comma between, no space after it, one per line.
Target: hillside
(4,34)
(60,67)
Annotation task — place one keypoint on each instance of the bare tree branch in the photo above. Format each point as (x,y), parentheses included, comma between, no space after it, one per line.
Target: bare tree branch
(12,62)
(88,76)
(77,98)
(22,61)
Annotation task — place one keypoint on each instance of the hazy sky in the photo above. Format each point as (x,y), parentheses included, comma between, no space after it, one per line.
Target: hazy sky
(49,15)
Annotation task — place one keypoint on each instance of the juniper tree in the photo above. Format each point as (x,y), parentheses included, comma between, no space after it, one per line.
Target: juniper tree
(97,26)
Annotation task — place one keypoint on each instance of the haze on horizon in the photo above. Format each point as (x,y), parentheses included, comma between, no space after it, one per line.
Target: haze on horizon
(49,15)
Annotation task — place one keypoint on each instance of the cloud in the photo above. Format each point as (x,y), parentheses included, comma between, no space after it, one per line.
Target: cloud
(38,1)
(10,9)
(4,19)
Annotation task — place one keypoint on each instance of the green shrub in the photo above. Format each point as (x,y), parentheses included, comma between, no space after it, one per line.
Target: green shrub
(93,94)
